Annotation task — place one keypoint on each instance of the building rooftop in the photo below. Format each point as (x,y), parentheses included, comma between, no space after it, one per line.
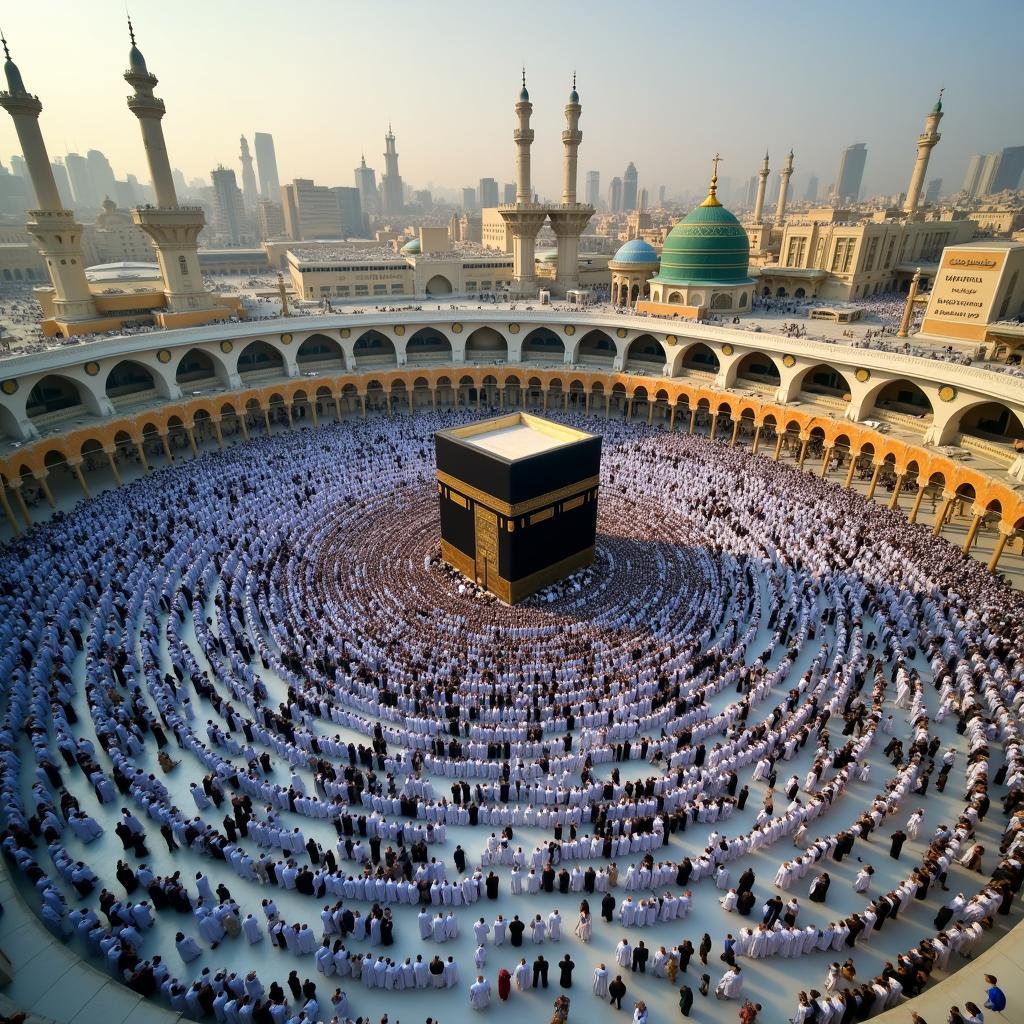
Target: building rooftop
(517,436)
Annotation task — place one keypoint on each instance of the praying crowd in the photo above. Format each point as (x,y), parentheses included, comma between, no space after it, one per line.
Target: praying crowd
(268,760)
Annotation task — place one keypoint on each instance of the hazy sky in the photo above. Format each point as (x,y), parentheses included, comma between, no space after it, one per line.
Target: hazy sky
(664,84)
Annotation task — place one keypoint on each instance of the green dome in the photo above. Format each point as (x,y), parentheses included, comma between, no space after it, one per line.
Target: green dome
(708,246)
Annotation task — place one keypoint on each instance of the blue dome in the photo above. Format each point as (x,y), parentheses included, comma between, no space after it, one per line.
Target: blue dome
(136,61)
(636,250)
(411,248)
(524,96)
(574,97)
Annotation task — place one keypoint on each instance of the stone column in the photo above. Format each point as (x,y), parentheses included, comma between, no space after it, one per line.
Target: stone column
(672,417)
(804,443)
(288,414)
(191,435)
(972,530)
(874,480)
(896,491)
(242,424)
(76,468)
(714,425)
(140,447)
(735,433)
(607,404)
(918,498)
(693,420)
(757,438)
(362,405)
(312,412)
(8,511)
(778,447)
(908,308)
(112,459)
(650,412)
(940,518)
(266,418)
(40,478)
(217,433)
(433,396)
(167,445)
(19,499)
(825,463)
(1004,535)
(851,470)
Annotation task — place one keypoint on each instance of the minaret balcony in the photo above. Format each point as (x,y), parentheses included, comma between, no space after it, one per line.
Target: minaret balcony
(143,106)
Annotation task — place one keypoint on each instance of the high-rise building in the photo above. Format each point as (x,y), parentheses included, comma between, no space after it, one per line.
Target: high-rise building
(987,174)
(125,195)
(60,176)
(228,207)
(266,165)
(661,193)
(973,175)
(350,210)
(81,182)
(752,183)
(1009,170)
(270,219)
(102,175)
(115,238)
(644,199)
(593,188)
(250,193)
(469,199)
(366,182)
(179,181)
(391,183)
(931,193)
(508,192)
(615,195)
(18,167)
(629,180)
(811,192)
(488,193)
(851,173)
(310,211)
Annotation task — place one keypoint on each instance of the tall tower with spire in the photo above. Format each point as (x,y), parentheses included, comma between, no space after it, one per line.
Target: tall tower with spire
(391,182)
(250,193)
(524,217)
(173,229)
(926,142)
(569,219)
(57,235)
(784,175)
(761,186)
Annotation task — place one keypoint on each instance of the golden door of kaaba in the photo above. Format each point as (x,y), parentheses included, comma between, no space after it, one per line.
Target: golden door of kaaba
(486,523)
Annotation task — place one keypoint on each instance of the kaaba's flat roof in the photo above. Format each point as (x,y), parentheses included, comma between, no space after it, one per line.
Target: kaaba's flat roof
(517,436)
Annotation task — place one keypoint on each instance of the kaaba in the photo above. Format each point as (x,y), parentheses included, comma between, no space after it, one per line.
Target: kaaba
(518,498)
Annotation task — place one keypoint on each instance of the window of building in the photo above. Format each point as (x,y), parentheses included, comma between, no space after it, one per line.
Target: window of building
(869,262)
(888,253)
(380,289)
(797,248)
(183,265)
(362,289)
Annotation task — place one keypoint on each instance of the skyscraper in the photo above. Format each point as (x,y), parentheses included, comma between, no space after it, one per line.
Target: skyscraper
(488,193)
(469,199)
(629,180)
(508,192)
(102,175)
(661,193)
(366,182)
(249,190)
(350,210)
(851,173)
(81,181)
(1009,169)
(615,195)
(391,183)
(811,193)
(752,183)
(973,176)
(266,165)
(228,210)
(987,174)
(19,167)
(931,194)
(60,176)
(593,188)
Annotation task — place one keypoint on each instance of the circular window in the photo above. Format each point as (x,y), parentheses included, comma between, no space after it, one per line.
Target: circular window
(727,349)
(789,360)
(513,328)
(92,369)
(226,346)
(457,328)
(345,332)
(286,339)
(9,386)
(164,355)
(570,330)
(947,393)
(863,375)
(399,330)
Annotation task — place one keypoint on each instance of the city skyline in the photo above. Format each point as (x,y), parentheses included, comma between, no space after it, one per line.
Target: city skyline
(84,111)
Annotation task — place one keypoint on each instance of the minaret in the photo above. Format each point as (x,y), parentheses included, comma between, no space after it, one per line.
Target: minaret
(926,142)
(57,235)
(569,219)
(391,183)
(785,174)
(571,139)
(249,191)
(524,217)
(173,229)
(761,186)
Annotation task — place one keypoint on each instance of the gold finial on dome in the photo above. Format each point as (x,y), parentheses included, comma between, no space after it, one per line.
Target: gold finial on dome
(712,198)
